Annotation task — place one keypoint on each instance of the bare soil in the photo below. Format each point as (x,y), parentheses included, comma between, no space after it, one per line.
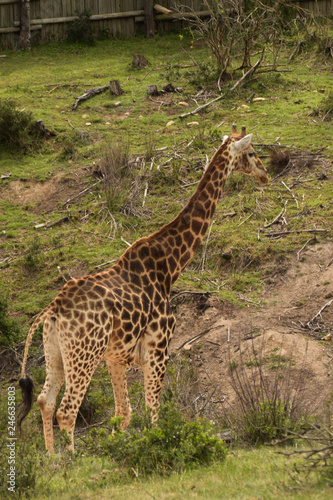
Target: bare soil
(47,195)
(279,328)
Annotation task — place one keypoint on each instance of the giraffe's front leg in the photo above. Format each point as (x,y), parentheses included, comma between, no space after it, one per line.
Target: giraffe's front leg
(156,342)
(154,374)
(119,383)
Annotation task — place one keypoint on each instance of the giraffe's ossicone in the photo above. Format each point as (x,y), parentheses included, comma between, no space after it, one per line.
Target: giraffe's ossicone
(123,315)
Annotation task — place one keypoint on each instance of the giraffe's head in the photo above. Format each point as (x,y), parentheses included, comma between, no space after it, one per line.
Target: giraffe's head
(245,159)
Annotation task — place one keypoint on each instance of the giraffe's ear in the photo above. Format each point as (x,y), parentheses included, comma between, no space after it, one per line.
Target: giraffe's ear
(243,143)
(225,138)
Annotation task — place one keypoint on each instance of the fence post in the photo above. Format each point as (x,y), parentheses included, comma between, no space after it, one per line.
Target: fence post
(25,24)
(149,18)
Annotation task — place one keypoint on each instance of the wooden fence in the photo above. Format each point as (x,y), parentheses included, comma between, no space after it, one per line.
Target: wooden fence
(317,7)
(49,18)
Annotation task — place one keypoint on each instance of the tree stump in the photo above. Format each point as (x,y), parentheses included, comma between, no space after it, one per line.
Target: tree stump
(44,132)
(152,90)
(139,61)
(115,87)
(169,88)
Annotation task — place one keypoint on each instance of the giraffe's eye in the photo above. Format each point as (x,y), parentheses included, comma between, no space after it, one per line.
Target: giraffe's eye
(251,155)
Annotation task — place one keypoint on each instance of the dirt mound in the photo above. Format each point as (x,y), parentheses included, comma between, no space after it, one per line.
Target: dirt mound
(282,330)
(50,194)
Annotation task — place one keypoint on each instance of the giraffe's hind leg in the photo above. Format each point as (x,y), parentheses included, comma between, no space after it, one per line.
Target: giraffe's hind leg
(54,379)
(119,383)
(79,366)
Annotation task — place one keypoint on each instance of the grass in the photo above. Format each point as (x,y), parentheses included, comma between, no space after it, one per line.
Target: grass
(255,473)
(45,82)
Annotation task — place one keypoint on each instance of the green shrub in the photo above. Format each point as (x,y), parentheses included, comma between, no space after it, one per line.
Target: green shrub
(18,129)
(173,443)
(325,108)
(9,329)
(269,420)
(33,257)
(269,393)
(79,31)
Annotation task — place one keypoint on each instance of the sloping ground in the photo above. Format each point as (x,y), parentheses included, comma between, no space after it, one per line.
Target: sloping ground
(276,326)
(277,333)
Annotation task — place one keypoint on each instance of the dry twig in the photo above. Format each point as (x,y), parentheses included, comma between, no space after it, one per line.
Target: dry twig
(201,334)
(281,214)
(319,313)
(202,263)
(305,244)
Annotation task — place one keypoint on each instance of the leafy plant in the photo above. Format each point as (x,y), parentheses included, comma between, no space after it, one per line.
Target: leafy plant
(33,257)
(325,108)
(271,405)
(173,443)
(17,128)
(9,329)
(79,31)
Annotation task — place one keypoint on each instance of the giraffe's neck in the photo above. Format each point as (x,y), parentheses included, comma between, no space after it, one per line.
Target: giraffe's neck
(167,251)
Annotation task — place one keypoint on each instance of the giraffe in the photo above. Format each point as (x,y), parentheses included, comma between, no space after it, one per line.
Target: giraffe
(123,315)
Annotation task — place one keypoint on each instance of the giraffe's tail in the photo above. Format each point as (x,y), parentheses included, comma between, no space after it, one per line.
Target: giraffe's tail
(25,382)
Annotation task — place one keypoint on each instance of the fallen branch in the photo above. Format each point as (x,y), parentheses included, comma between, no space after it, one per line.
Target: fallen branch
(319,313)
(245,220)
(59,221)
(204,332)
(113,86)
(290,191)
(147,184)
(81,193)
(281,214)
(203,106)
(106,263)
(330,262)
(282,233)
(5,261)
(89,93)
(250,72)
(305,244)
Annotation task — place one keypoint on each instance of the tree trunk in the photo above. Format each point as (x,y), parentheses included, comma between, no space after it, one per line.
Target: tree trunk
(149,18)
(25,24)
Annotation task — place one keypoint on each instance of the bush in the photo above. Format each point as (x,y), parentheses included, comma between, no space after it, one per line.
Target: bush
(269,392)
(33,256)
(79,31)
(325,108)
(9,329)
(17,128)
(173,443)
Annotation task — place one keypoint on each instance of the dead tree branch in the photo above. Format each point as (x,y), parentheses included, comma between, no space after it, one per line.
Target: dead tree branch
(241,81)
(113,86)
(283,233)
(201,334)
(319,313)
